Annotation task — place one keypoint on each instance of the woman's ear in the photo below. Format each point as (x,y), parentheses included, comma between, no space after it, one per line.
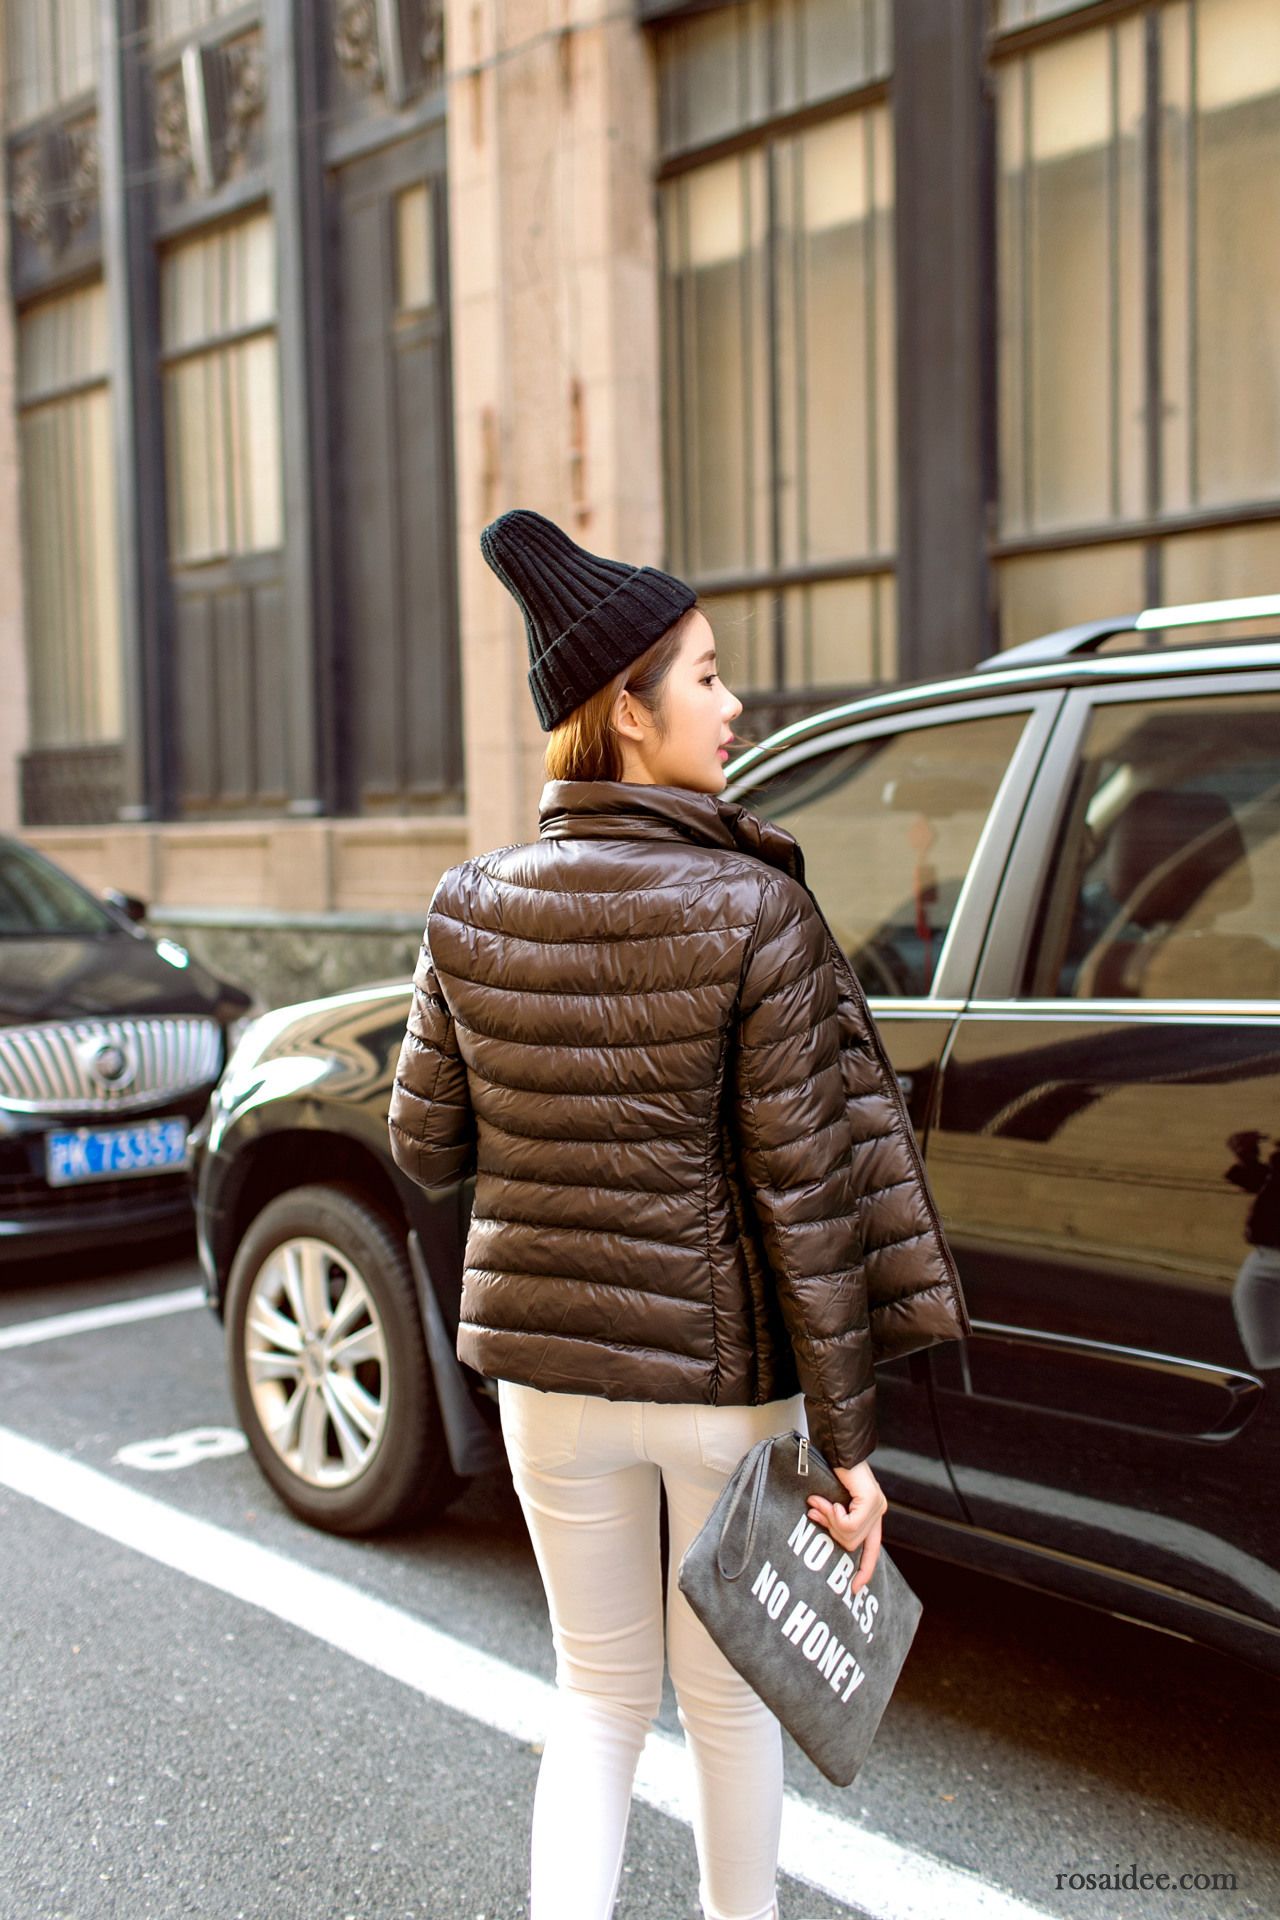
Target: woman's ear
(628,717)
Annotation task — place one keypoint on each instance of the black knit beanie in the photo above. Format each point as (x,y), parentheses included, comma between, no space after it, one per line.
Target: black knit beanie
(585,618)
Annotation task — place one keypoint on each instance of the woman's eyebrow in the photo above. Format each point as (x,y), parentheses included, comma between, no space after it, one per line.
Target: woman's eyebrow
(705,656)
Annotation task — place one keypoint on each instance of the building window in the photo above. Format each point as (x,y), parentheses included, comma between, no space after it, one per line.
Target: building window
(1221,564)
(1138,293)
(1070,249)
(69,521)
(415,249)
(170,19)
(778,332)
(1042,592)
(1220,264)
(723,72)
(50,54)
(222,400)
(1024,13)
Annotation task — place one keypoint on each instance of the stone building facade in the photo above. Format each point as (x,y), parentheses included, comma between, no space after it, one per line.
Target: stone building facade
(903,330)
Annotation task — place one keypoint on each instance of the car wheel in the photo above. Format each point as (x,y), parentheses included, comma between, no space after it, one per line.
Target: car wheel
(328,1365)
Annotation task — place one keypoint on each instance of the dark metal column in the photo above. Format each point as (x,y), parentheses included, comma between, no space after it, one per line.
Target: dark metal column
(945,299)
(129,265)
(291,30)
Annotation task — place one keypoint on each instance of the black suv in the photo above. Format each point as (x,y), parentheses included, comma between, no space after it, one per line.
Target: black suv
(1058,878)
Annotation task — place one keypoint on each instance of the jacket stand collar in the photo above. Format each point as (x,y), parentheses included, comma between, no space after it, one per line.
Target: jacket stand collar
(628,809)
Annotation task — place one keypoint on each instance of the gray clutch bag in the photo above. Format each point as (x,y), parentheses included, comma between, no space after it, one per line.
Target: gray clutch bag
(772,1589)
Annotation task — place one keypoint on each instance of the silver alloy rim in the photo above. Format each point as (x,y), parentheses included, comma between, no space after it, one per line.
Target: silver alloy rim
(316,1362)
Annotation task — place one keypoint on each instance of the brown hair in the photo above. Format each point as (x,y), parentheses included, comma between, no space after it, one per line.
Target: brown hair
(585,745)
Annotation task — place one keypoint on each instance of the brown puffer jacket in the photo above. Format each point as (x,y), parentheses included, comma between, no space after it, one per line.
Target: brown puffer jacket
(695,1172)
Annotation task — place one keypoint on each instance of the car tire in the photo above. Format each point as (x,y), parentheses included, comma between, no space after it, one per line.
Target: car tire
(321,1305)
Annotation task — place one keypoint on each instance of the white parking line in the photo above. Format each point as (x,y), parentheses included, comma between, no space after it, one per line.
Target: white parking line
(838,1857)
(56,1326)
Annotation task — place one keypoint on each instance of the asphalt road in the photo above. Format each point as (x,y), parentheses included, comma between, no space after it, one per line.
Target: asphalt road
(172,1742)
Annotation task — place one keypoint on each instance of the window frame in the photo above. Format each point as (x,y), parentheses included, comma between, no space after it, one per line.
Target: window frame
(215,16)
(64,99)
(775,578)
(960,950)
(221,348)
(1029,869)
(65,401)
(1154,527)
(775,114)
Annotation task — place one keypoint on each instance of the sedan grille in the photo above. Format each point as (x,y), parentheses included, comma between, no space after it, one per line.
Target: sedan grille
(105,1066)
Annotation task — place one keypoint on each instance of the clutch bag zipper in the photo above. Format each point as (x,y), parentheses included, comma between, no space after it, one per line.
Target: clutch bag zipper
(802,1465)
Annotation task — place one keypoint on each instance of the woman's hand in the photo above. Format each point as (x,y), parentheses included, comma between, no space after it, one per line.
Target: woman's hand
(857,1522)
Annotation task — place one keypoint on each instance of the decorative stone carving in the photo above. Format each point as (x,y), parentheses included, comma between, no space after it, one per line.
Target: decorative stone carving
(432,42)
(246,95)
(207,106)
(355,41)
(30,204)
(172,130)
(55,185)
(390,46)
(82,180)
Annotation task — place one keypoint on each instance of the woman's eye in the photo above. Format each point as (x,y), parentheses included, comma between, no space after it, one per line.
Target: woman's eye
(707,678)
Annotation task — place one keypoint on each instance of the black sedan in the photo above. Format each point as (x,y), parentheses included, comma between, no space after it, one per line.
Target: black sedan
(110,1043)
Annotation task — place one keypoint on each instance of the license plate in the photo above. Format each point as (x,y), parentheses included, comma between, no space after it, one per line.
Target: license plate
(108,1153)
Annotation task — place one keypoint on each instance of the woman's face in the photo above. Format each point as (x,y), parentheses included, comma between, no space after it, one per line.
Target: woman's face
(698,709)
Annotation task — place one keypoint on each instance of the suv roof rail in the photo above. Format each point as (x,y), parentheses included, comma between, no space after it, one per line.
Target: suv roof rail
(1089,636)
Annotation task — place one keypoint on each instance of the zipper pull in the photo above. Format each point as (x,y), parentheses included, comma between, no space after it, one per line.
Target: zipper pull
(802,1466)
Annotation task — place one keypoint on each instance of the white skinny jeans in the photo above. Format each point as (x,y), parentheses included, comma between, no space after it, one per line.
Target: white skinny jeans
(587,1473)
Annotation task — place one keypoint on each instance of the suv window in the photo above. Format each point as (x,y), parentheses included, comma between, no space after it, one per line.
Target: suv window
(888,826)
(1165,881)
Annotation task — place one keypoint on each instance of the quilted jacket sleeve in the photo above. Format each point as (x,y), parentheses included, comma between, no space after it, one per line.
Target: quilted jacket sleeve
(433,1137)
(796,1141)
(914,1291)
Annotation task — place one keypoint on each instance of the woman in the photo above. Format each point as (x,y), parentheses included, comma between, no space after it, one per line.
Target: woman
(639,1034)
